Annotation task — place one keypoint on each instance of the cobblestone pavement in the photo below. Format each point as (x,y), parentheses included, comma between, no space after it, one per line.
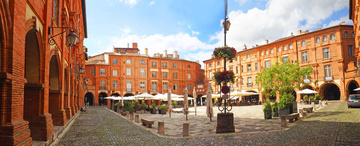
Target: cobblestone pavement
(334,124)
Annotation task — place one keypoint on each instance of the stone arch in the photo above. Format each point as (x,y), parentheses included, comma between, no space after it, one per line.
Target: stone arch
(350,86)
(128,94)
(102,101)
(89,98)
(4,34)
(330,91)
(32,57)
(307,87)
(54,80)
(115,94)
(55,102)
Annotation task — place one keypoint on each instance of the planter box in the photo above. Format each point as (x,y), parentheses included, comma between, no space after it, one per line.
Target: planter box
(153,111)
(284,112)
(162,111)
(275,112)
(267,114)
(225,123)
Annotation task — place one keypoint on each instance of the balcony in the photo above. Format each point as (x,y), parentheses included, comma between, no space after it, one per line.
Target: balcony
(249,84)
(102,88)
(328,78)
(306,81)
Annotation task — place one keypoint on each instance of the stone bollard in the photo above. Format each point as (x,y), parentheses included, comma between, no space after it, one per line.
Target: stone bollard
(132,116)
(161,128)
(304,113)
(127,114)
(283,121)
(137,119)
(313,106)
(186,129)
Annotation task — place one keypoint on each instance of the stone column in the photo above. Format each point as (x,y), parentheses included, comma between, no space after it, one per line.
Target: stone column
(161,128)
(186,129)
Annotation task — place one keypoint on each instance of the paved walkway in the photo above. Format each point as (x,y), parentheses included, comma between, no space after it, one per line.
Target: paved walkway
(332,125)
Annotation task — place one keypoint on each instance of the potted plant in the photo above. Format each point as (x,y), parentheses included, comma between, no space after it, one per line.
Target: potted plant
(275,109)
(118,106)
(153,108)
(162,109)
(286,100)
(267,109)
(128,107)
(306,99)
(222,52)
(174,103)
(221,76)
(143,106)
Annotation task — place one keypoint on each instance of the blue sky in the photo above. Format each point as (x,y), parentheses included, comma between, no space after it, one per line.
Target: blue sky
(193,27)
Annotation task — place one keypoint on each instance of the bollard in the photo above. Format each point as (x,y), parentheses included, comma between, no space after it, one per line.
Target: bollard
(304,113)
(161,128)
(137,118)
(313,105)
(132,116)
(127,114)
(283,121)
(186,129)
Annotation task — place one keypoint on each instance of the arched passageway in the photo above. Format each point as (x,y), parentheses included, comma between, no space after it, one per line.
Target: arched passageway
(115,94)
(55,102)
(330,91)
(89,99)
(128,94)
(351,86)
(102,101)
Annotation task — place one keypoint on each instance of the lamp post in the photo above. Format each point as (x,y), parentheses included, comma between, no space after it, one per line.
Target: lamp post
(226,25)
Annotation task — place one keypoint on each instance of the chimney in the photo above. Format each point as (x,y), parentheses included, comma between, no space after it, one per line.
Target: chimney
(244,47)
(128,45)
(165,54)
(135,45)
(266,41)
(176,56)
(299,32)
(319,28)
(197,61)
(306,31)
(146,52)
(342,23)
(292,34)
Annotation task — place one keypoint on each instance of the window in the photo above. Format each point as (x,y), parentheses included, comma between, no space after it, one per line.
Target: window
(56,11)
(242,81)
(164,64)
(267,64)
(102,85)
(142,85)
(285,48)
(249,80)
(303,43)
(153,64)
(249,67)
(327,70)
(175,75)
(231,69)
(142,72)
(279,49)
(317,40)
(102,71)
(154,85)
(271,51)
(128,86)
(175,86)
(332,37)
(285,59)
(352,34)
(262,53)
(248,56)
(290,46)
(115,73)
(128,72)
(256,66)
(210,65)
(210,75)
(92,71)
(115,84)
(326,53)
(189,86)
(237,69)
(164,74)
(242,68)
(267,52)
(154,74)
(304,57)
(114,61)
(350,51)
(346,34)
(189,75)
(164,85)
(325,38)
(128,61)
(142,62)
(218,62)
(174,65)
(188,66)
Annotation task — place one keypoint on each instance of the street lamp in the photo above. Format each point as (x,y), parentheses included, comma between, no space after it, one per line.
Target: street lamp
(71,37)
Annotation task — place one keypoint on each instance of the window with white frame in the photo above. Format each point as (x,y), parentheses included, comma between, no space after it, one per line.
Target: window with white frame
(325,38)
(242,81)
(218,62)
(142,72)
(154,85)
(164,64)
(332,37)
(317,40)
(102,84)
(128,86)
(210,75)
(256,66)
(102,72)
(115,84)
(189,75)
(128,61)
(279,49)
(327,70)
(346,34)
(209,64)
(189,86)
(164,74)
(350,50)
(290,46)
(249,67)
(326,53)
(92,71)
(267,52)
(114,61)
(165,85)
(128,72)
(248,56)
(142,62)
(174,65)
(175,86)
(271,51)
(249,80)
(154,74)
(267,64)
(303,43)
(175,75)
(115,73)
(285,47)
(285,59)
(142,85)
(304,57)
(262,53)
(153,64)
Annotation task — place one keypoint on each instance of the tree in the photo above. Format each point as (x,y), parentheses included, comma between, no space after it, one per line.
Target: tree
(283,78)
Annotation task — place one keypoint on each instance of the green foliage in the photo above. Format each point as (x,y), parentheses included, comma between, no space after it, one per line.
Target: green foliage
(267,105)
(306,97)
(311,97)
(143,106)
(282,78)
(128,106)
(216,101)
(275,105)
(224,76)
(163,107)
(222,52)
(174,103)
(153,106)
(318,97)
(118,104)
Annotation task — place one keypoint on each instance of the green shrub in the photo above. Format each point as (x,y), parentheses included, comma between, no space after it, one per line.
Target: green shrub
(174,103)
(163,107)
(275,105)
(143,106)
(306,97)
(118,104)
(153,106)
(128,106)
(318,97)
(286,101)
(311,97)
(267,105)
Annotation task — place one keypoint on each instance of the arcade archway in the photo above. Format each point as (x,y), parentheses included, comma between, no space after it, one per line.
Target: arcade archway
(330,91)
(89,98)
(351,86)
(102,101)
(115,94)
(128,94)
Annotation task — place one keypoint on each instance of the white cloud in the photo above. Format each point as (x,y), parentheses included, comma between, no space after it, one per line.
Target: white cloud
(193,32)
(241,2)
(279,19)
(337,22)
(152,3)
(130,2)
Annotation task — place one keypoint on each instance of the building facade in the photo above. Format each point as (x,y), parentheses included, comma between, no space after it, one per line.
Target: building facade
(330,52)
(40,86)
(354,10)
(126,72)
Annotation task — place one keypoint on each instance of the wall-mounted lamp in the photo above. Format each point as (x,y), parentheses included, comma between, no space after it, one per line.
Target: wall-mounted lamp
(71,37)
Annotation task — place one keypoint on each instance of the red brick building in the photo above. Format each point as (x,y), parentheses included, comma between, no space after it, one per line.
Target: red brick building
(126,72)
(40,83)
(330,52)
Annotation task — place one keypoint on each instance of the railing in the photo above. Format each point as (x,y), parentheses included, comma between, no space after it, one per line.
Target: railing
(102,88)
(328,78)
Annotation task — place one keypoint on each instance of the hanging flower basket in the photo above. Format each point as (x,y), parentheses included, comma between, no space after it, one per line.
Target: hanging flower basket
(224,76)
(222,52)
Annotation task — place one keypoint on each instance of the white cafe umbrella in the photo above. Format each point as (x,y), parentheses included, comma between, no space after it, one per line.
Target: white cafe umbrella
(144,96)
(306,91)
(357,89)
(195,104)
(209,106)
